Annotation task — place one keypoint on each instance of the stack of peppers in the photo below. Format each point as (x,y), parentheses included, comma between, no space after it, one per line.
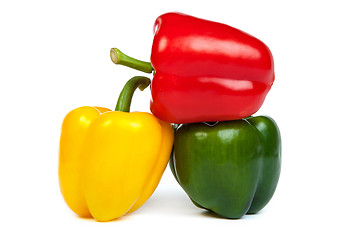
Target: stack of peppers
(209,78)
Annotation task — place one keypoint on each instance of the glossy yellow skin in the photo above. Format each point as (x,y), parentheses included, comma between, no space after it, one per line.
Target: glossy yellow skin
(110,161)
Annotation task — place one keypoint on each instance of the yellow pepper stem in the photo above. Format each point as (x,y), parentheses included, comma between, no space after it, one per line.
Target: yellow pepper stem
(124,101)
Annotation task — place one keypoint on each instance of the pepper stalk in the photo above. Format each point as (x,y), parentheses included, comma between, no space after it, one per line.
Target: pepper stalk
(125,97)
(120,58)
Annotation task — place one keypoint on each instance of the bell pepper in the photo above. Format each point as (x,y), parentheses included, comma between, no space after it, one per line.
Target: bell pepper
(110,162)
(204,70)
(230,168)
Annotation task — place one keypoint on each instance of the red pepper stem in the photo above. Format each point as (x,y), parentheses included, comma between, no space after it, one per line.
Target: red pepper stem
(120,58)
(124,101)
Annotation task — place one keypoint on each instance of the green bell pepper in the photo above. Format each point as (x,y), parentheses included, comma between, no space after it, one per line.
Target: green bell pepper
(231,168)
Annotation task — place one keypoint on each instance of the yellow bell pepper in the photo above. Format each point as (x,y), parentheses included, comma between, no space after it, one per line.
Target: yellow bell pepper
(110,162)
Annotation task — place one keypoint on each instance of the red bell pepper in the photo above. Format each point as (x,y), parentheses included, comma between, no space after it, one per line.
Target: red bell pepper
(206,71)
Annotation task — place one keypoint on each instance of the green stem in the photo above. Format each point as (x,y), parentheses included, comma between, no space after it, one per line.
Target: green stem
(120,58)
(124,101)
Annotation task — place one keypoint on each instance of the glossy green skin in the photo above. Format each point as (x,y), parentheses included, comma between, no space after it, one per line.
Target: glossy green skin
(231,168)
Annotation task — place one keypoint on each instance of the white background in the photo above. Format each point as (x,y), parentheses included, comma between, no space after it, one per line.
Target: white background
(54,57)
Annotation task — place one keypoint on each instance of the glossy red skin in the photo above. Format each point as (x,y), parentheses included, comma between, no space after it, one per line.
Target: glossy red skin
(207,71)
